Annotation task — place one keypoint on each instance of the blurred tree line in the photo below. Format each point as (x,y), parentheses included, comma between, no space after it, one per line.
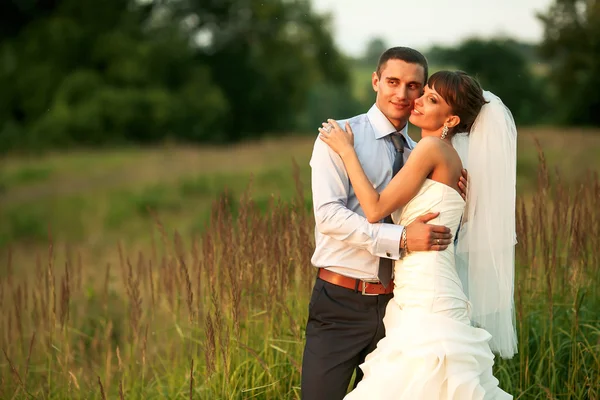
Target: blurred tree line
(101,72)
(572,47)
(553,82)
(510,69)
(120,71)
(556,81)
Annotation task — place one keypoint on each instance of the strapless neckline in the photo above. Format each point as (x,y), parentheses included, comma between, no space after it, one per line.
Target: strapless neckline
(449,187)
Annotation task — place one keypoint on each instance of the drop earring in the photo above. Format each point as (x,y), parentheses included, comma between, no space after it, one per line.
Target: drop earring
(444,132)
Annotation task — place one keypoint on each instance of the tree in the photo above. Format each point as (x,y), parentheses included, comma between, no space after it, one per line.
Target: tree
(92,73)
(375,48)
(111,71)
(265,55)
(572,46)
(500,65)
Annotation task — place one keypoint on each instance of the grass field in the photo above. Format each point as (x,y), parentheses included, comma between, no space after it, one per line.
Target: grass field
(151,288)
(96,198)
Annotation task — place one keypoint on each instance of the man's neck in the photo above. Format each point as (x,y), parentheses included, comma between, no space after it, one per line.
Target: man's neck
(400,126)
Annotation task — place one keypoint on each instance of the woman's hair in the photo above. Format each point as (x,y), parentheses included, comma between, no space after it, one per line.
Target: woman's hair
(462,93)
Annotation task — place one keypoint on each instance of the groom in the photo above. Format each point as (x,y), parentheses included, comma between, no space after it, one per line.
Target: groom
(352,289)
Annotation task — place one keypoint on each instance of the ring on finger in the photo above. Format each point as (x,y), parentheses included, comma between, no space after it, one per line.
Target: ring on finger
(438,241)
(327,128)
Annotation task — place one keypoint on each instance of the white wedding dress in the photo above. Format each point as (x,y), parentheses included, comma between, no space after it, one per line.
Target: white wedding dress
(430,350)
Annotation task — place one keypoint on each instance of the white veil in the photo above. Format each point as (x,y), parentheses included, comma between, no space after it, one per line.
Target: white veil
(487,236)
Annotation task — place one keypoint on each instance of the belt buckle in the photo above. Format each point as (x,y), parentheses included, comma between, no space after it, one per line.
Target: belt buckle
(364,288)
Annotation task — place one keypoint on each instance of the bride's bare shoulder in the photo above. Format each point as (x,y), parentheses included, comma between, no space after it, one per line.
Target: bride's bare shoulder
(430,143)
(437,149)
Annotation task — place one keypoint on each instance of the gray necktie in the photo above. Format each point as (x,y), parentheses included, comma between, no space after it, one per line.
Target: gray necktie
(386,264)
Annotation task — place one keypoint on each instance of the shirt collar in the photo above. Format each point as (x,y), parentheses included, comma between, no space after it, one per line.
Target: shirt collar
(382,125)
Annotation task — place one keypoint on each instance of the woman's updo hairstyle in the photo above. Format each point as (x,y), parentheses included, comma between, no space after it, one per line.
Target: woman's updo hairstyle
(462,93)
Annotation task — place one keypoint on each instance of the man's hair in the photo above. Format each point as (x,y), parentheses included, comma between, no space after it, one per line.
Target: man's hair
(405,54)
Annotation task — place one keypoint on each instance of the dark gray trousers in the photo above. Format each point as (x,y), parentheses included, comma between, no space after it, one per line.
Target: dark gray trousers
(343,327)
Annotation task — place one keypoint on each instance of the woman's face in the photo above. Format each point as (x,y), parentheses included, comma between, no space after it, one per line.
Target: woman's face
(431,112)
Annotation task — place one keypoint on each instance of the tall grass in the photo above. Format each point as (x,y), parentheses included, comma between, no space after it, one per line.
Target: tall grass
(221,315)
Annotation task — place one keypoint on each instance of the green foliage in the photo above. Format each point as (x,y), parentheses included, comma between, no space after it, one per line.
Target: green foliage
(375,48)
(31,222)
(572,45)
(502,67)
(121,71)
(109,72)
(331,101)
(156,199)
(22,224)
(25,175)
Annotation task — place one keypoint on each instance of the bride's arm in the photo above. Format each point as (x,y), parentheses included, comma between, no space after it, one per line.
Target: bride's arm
(403,187)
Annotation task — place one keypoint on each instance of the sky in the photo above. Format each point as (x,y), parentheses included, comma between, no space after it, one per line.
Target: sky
(423,23)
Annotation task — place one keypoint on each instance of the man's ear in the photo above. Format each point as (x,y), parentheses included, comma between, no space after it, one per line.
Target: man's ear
(375,81)
(452,121)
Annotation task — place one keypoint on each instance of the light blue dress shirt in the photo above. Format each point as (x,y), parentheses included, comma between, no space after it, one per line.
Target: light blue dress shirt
(346,242)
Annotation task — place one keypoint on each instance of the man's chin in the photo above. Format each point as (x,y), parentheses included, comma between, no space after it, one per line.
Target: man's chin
(404,116)
(396,117)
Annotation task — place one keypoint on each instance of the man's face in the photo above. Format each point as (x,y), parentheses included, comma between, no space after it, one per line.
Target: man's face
(397,88)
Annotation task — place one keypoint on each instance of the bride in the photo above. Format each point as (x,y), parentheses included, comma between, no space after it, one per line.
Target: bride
(451,309)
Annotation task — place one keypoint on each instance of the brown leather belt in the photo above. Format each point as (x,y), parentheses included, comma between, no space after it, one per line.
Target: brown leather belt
(370,288)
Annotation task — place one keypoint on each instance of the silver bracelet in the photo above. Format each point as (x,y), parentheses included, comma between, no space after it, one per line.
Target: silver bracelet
(405,241)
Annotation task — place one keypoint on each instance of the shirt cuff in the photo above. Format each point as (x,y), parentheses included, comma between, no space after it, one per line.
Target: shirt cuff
(388,241)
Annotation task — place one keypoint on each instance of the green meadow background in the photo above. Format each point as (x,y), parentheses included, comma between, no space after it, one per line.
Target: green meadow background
(184,272)
(156,221)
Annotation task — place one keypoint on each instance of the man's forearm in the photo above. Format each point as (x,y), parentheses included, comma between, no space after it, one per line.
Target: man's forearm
(340,223)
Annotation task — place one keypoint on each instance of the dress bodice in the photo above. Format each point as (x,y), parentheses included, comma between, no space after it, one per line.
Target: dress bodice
(428,279)
(433,197)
